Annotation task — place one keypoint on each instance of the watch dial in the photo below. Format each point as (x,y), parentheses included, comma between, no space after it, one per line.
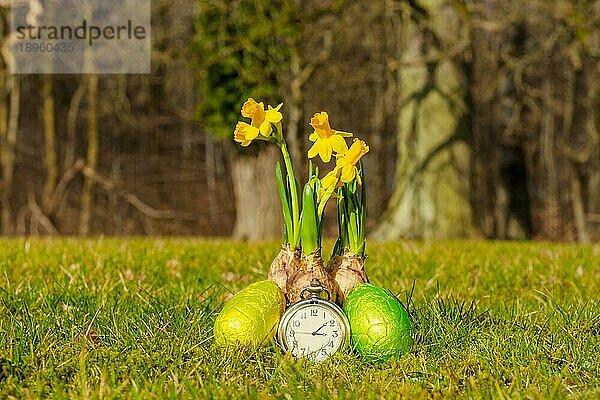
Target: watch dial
(314,332)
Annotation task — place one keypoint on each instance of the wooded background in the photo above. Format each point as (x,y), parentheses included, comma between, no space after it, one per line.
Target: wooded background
(482,118)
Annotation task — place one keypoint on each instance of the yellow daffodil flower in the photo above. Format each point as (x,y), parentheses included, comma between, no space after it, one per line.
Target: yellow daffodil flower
(347,162)
(245,133)
(345,169)
(261,118)
(329,183)
(326,140)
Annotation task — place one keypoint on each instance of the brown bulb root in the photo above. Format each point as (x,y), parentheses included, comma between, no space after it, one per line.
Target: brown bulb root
(348,271)
(311,266)
(283,266)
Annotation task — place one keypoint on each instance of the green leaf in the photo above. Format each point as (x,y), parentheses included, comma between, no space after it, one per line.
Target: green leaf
(309,235)
(363,211)
(352,216)
(326,196)
(292,180)
(285,204)
(338,248)
(342,219)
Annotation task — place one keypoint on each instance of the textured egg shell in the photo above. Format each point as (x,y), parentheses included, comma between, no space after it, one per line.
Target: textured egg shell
(381,328)
(250,317)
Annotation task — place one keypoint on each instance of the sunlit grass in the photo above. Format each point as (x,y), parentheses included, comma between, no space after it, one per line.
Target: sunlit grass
(132,318)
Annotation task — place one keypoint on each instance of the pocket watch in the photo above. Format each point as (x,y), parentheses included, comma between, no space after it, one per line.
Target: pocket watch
(314,327)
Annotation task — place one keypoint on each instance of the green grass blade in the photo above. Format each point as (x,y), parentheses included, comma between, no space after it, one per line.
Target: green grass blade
(133,317)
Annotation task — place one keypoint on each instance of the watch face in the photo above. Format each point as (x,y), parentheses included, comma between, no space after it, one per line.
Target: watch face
(314,330)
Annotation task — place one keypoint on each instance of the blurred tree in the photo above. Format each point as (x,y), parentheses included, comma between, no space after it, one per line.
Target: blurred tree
(481,116)
(526,69)
(532,67)
(429,198)
(51,157)
(10,95)
(254,49)
(91,154)
(239,52)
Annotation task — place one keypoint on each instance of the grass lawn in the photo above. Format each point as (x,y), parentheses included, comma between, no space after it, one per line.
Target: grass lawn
(132,318)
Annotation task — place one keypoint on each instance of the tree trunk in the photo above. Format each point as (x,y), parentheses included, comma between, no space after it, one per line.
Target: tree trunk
(91,157)
(382,38)
(258,211)
(211,178)
(559,142)
(488,199)
(589,124)
(49,143)
(429,198)
(295,112)
(5,210)
(72,115)
(8,131)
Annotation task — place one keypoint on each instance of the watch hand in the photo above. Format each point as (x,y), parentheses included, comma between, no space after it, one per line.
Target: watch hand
(322,326)
(311,333)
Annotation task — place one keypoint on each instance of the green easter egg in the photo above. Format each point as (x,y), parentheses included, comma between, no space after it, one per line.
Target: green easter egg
(250,317)
(380,326)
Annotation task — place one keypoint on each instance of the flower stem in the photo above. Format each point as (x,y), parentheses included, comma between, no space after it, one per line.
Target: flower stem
(295,237)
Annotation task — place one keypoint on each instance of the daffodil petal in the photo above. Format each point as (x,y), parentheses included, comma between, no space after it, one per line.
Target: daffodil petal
(244,133)
(329,180)
(251,132)
(313,137)
(348,173)
(273,116)
(339,144)
(314,150)
(266,128)
(325,151)
(344,134)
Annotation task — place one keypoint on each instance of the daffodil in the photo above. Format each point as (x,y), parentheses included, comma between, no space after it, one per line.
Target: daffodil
(347,162)
(326,140)
(329,183)
(245,133)
(345,169)
(331,180)
(261,118)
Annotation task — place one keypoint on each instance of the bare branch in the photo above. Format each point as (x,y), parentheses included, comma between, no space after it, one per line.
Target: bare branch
(134,201)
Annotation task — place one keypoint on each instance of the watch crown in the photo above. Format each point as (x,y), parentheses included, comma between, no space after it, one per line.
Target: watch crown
(314,290)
